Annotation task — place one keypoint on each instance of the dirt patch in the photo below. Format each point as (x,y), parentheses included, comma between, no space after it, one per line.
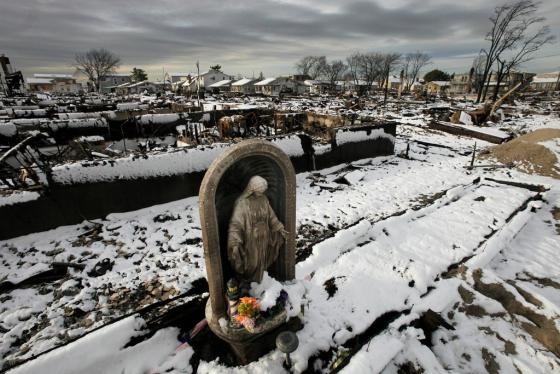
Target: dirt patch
(473,311)
(545,282)
(490,363)
(458,270)
(526,295)
(331,287)
(409,367)
(466,295)
(527,154)
(541,328)
(429,322)
(509,346)
(556,215)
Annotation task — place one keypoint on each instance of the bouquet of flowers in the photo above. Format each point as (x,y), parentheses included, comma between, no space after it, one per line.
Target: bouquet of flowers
(248,311)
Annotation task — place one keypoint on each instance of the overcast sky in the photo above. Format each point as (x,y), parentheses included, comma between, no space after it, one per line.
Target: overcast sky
(249,36)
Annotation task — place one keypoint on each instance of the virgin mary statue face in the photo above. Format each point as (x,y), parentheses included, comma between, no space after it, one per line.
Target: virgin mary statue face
(258,185)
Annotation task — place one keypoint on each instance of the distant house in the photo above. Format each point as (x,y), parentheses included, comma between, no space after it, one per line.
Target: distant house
(139,87)
(180,77)
(39,85)
(316,87)
(298,83)
(244,86)
(359,86)
(461,84)
(437,87)
(504,87)
(132,88)
(394,82)
(113,80)
(121,89)
(545,82)
(274,86)
(204,80)
(464,84)
(53,83)
(162,86)
(221,86)
(417,86)
(300,77)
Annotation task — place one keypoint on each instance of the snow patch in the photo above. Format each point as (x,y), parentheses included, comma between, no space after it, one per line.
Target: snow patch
(291,145)
(103,351)
(159,119)
(18,197)
(164,164)
(8,129)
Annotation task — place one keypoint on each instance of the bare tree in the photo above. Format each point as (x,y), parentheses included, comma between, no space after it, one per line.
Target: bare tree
(476,77)
(311,65)
(389,63)
(523,52)
(96,64)
(371,67)
(318,68)
(303,66)
(333,71)
(413,63)
(508,25)
(354,62)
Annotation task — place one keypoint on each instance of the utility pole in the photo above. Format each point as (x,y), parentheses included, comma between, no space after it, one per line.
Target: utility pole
(2,89)
(198,82)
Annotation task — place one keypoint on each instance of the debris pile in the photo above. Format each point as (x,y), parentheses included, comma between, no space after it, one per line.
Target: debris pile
(535,153)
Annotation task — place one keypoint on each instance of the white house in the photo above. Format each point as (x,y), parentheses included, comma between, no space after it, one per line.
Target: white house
(437,87)
(221,86)
(394,82)
(204,80)
(274,86)
(546,82)
(180,77)
(139,87)
(54,83)
(112,80)
(351,85)
(121,89)
(316,87)
(244,86)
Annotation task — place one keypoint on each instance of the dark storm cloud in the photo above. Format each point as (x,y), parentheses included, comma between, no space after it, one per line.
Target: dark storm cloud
(256,33)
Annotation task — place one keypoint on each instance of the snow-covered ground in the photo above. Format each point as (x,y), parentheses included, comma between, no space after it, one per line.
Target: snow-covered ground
(381,242)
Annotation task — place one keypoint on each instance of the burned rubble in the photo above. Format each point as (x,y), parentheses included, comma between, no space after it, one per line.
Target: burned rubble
(105,268)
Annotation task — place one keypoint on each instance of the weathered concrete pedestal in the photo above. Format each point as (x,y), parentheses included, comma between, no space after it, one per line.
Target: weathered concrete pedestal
(247,346)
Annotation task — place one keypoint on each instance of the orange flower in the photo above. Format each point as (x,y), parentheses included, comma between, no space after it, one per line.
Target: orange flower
(248,306)
(250,301)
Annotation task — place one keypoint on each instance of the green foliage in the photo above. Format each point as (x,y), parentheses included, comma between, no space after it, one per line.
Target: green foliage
(217,67)
(139,75)
(436,75)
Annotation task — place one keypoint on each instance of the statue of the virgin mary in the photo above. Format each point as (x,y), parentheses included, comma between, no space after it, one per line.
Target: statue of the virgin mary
(255,234)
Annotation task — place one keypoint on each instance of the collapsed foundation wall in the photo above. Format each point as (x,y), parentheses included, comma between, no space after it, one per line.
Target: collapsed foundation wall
(357,142)
(80,199)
